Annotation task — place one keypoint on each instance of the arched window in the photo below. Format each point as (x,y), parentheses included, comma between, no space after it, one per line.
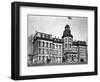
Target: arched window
(59,46)
(47,51)
(69,45)
(39,50)
(43,51)
(53,46)
(48,36)
(70,40)
(46,44)
(43,44)
(41,35)
(65,39)
(65,45)
(39,42)
(50,45)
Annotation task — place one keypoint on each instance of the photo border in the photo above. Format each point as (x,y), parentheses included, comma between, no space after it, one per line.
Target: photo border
(15,40)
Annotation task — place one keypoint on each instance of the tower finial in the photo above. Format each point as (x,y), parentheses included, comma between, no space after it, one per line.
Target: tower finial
(67,26)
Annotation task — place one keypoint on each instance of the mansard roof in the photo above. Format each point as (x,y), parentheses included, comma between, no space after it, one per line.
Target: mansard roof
(79,43)
(48,37)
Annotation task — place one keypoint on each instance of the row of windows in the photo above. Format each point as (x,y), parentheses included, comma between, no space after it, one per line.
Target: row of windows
(46,44)
(48,51)
(75,48)
(68,39)
(44,35)
(80,49)
(84,47)
(56,46)
(57,53)
(44,51)
(67,45)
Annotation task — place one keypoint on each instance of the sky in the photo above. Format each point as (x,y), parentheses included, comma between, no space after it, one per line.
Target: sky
(55,25)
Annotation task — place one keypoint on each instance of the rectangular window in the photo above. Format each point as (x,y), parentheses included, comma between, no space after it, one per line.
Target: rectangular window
(47,44)
(53,46)
(69,45)
(66,39)
(56,46)
(41,35)
(59,46)
(43,51)
(39,43)
(65,45)
(39,50)
(50,45)
(43,44)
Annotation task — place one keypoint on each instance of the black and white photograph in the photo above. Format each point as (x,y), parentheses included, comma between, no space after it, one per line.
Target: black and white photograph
(57,40)
(53,40)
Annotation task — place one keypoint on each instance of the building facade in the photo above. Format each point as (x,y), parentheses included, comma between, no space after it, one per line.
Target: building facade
(51,50)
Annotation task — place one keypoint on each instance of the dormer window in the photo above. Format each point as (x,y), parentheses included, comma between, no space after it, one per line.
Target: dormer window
(43,35)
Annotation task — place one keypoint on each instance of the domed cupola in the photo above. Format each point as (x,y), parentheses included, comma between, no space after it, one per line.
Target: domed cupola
(67,32)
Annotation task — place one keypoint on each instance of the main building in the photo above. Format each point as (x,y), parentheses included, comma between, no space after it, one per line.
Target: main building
(51,50)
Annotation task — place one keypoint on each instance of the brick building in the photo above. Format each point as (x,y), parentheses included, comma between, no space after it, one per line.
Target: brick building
(48,49)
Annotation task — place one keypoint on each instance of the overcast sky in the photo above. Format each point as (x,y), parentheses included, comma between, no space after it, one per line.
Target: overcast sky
(55,25)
